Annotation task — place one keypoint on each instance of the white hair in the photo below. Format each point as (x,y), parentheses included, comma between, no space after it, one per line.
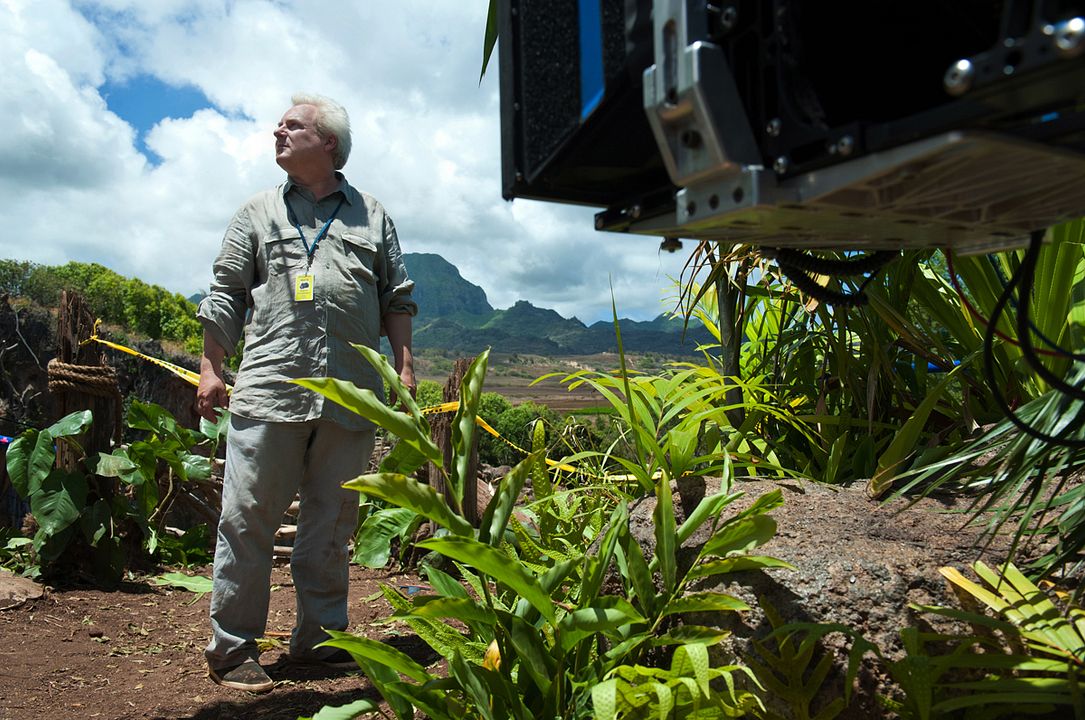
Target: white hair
(331,119)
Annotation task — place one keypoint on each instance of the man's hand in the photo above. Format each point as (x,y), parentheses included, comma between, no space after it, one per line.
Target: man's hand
(211,392)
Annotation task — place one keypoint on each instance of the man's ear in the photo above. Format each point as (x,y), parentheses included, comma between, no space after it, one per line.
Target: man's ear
(331,142)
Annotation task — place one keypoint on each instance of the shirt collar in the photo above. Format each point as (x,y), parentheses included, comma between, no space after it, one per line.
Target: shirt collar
(343,189)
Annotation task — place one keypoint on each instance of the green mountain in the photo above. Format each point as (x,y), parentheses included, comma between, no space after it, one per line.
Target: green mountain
(454,314)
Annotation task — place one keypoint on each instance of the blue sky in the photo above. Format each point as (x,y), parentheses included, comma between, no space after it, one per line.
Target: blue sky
(135,129)
(143,101)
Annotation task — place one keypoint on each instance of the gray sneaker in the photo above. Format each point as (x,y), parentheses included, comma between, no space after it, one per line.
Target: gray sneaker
(246,676)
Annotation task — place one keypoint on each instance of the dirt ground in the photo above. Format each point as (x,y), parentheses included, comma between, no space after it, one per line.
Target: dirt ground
(137,652)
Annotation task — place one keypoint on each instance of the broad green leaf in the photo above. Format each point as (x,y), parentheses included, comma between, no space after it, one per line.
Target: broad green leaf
(18,463)
(594,620)
(742,536)
(505,570)
(391,377)
(377,652)
(604,697)
(463,609)
(704,602)
(684,634)
(72,424)
(408,493)
(350,711)
(737,563)
(402,460)
(365,402)
(708,509)
(59,501)
(372,543)
(192,583)
(119,465)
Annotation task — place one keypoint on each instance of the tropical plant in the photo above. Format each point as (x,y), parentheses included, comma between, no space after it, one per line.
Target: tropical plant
(556,602)
(83,507)
(1023,661)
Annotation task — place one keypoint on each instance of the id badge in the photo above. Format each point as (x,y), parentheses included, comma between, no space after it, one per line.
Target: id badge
(303,288)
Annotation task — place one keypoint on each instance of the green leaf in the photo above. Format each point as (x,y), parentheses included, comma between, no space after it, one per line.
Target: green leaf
(604,700)
(463,609)
(464,427)
(594,620)
(192,583)
(391,377)
(39,463)
(408,493)
(666,533)
(741,536)
(72,424)
(906,440)
(372,543)
(365,402)
(501,567)
(489,39)
(498,512)
(346,712)
(119,465)
(59,501)
(704,602)
(737,563)
(377,652)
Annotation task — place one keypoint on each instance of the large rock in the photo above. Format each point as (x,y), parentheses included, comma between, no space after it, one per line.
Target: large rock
(858,562)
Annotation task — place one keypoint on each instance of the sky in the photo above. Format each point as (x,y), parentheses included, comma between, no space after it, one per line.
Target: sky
(133,129)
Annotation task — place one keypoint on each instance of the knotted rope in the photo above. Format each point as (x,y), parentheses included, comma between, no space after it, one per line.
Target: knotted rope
(97,380)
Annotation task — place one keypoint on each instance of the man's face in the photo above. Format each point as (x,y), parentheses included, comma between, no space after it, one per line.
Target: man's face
(298,146)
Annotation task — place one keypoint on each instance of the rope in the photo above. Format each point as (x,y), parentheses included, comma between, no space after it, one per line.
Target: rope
(96,380)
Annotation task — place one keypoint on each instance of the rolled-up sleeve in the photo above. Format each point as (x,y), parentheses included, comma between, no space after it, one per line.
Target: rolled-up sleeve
(396,287)
(222,312)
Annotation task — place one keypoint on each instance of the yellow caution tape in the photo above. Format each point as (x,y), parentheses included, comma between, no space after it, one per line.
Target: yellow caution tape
(194,378)
(183,373)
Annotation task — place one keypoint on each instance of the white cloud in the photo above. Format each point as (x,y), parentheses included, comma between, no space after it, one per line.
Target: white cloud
(426,143)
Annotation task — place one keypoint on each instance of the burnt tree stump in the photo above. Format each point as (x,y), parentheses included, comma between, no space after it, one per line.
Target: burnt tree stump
(441,429)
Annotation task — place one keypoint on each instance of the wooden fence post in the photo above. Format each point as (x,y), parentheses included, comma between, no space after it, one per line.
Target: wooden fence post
(79,379)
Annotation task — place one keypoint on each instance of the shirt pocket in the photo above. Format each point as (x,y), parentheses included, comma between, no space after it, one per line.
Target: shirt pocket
(284,251)
(360,257)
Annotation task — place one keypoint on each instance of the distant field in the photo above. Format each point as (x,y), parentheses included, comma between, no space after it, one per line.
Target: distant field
(511,375)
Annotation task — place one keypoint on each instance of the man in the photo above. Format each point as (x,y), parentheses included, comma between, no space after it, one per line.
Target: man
(314,265)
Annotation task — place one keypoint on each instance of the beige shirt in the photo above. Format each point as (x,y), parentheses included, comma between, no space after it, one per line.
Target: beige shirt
(357,276)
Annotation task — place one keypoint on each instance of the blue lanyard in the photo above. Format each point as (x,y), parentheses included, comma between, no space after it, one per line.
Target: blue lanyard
(310,249)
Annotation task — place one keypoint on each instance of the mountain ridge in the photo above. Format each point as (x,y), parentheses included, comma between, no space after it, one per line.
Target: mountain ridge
(455,314)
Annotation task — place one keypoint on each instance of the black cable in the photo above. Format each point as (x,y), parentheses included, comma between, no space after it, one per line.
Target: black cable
(831,266)
(989,371)
(1054,348)
(1027,275)
(797,266)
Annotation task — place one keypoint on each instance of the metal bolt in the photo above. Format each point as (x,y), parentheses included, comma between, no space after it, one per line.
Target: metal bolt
(728,18)
(958,79)
(845,145)
(690,138)
(774,127)
(781,165)
(1070,37)
(671,244)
